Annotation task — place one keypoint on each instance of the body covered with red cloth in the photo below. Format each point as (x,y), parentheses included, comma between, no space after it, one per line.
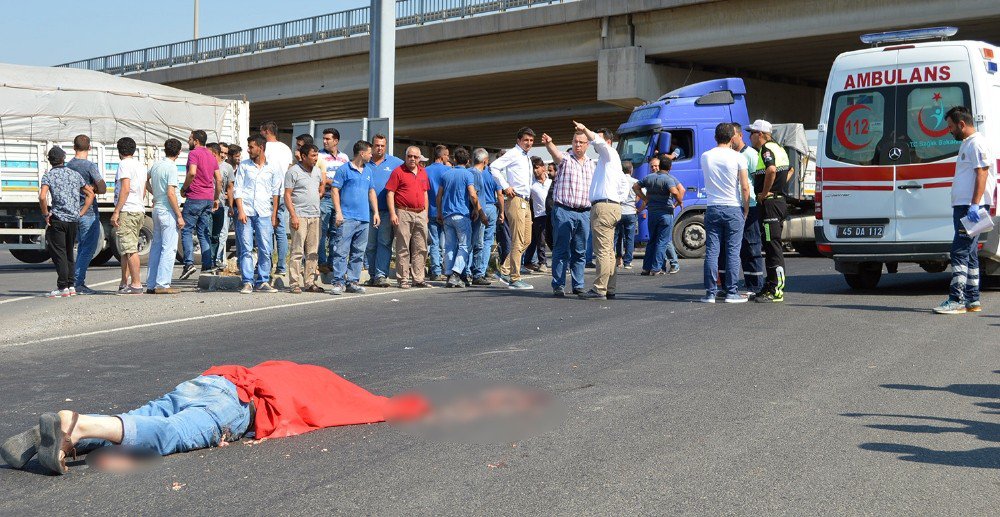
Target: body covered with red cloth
(293,398)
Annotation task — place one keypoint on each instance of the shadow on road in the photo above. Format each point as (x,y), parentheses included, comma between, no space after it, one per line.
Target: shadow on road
(986,457)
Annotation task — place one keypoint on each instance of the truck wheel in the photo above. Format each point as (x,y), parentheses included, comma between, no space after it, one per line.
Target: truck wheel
(31,256)
(690,235)
(934,267)
(102,257)
(866,279)
(145,238)
(806,248)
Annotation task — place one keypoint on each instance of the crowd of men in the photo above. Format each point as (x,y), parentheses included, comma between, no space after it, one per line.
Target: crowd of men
(322,211)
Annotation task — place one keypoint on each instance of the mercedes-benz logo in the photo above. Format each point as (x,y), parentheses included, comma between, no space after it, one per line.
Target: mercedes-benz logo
(895,153)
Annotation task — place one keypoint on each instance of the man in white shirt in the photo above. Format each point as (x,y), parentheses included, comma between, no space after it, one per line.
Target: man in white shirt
(255,193)
(513,173)
(972,189)
(607,191)
(626,229)
(279,156)
(330,159)
(728,190)
(129,214)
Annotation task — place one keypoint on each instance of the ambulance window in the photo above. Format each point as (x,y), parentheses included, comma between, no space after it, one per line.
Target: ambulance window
(856,126)
(926,125)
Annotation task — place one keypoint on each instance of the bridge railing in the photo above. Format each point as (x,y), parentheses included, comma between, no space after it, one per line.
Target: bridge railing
(342,24)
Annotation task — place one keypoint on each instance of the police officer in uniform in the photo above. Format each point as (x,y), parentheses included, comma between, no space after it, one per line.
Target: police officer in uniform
(769,186)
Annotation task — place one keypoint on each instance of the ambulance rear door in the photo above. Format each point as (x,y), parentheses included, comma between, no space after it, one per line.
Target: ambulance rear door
(937,78)
(857,173)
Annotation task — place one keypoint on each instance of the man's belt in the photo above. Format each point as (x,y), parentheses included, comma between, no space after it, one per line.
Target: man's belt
(408,209)
(573,208)
(597,201)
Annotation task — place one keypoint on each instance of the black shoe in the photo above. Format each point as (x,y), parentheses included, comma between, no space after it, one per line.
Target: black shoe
(187,272)
(558,293)
(610,296)
(592,295)
(480,280)
(590,265)
(577,291)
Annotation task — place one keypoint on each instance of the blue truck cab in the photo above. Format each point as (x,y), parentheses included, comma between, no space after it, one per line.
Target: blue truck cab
(683,120)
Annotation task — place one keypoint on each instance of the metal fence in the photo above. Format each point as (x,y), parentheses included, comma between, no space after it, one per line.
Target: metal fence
(343,24)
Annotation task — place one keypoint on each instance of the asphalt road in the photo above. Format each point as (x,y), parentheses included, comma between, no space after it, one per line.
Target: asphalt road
(833,403)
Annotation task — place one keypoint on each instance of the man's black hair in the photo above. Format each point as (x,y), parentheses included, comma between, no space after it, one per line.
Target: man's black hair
(199,136)
(305,149)
(259,140)
(126,146)
(214,147)
(332,131)
(606,133)
(269,127)
(525,131)
(305,138)
(461,156)
(724,133)
(172,147)
(360,146)
(960,114)
(665,162)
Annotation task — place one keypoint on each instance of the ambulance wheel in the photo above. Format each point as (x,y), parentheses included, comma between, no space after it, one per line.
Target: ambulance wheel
(864,280)
(690,235)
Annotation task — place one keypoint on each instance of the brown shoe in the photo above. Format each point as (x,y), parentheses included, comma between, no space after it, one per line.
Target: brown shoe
(295,290)
(404,285)
(315,289)
(166,290)
(421,284)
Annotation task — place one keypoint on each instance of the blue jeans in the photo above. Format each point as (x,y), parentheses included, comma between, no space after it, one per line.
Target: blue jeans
(88,239)
(349,255)
(197,414)
(328,232)
(435,243)
(483,233)
(502,237)
(964,260)
(197,215)
(570,235)
(220,234)
(257,230)
(378,254)
(457,234)
(625,237)
(660,248)
(724,229)
(163,248)
(281,240)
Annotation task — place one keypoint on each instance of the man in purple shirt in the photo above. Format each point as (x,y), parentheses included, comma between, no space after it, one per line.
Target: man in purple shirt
(201,190)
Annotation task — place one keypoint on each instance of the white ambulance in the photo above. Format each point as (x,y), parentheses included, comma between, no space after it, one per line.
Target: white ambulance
(886,158)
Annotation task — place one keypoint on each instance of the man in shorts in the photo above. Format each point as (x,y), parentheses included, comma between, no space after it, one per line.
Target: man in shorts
(129,214)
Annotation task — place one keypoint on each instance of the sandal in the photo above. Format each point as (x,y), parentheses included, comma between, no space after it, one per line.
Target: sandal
(20,448)
(52,441)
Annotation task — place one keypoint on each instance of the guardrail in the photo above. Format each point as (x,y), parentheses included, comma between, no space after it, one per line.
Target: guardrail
(343,24)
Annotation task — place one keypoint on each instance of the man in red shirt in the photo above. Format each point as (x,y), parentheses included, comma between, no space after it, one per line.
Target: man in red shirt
(271,400)
(407,199)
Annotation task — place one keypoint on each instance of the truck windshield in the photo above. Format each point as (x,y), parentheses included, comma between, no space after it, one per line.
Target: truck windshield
(634,147)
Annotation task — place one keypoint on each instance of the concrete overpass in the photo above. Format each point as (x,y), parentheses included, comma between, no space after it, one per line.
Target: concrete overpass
(474,81)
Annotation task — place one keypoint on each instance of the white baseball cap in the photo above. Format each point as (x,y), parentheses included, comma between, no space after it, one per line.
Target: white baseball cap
(761,126)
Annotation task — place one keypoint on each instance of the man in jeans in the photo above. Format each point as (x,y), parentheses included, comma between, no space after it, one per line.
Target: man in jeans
(167,219)
(220,218)
(972,189)
(201,192)
(435,229)
(456,200)
(407,200)
(256,191)
(303,187)
(66,186)
(330,159)
(570,213)
(625,231)
(89,234)
(355,204)
(279,156)
(662,195)
(129,214)
(379,250)
(728,190)
(485,226)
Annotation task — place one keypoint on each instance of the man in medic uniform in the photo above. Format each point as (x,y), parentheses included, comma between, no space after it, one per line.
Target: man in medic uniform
(769,186)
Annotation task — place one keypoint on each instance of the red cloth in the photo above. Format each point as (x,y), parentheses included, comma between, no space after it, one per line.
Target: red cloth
(409,188)
(296,398)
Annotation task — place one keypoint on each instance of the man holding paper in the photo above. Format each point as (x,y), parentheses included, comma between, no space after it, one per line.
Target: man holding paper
(971,193)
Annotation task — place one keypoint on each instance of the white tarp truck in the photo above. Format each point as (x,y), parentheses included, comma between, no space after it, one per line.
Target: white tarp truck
(41,107)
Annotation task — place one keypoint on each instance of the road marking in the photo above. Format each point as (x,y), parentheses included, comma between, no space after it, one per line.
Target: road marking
(43,295)
(331,298)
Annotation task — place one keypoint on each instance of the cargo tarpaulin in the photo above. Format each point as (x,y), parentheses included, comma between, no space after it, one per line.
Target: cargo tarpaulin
(56,104)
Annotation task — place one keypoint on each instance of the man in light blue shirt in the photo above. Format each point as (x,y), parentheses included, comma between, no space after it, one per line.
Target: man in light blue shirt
(355,204)
(435,230)
(256,191)
(379,251)
(456,201)
(167,220)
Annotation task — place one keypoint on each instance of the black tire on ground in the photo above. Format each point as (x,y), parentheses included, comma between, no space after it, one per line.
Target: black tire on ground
(689,235)
(145,238)
(807,248)
(102,257)
(864,280)
(934,267)
(31,256)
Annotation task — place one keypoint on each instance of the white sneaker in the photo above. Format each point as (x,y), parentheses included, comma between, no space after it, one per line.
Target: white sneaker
(72,291)
(58,293)
(736,298)
(707,299)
